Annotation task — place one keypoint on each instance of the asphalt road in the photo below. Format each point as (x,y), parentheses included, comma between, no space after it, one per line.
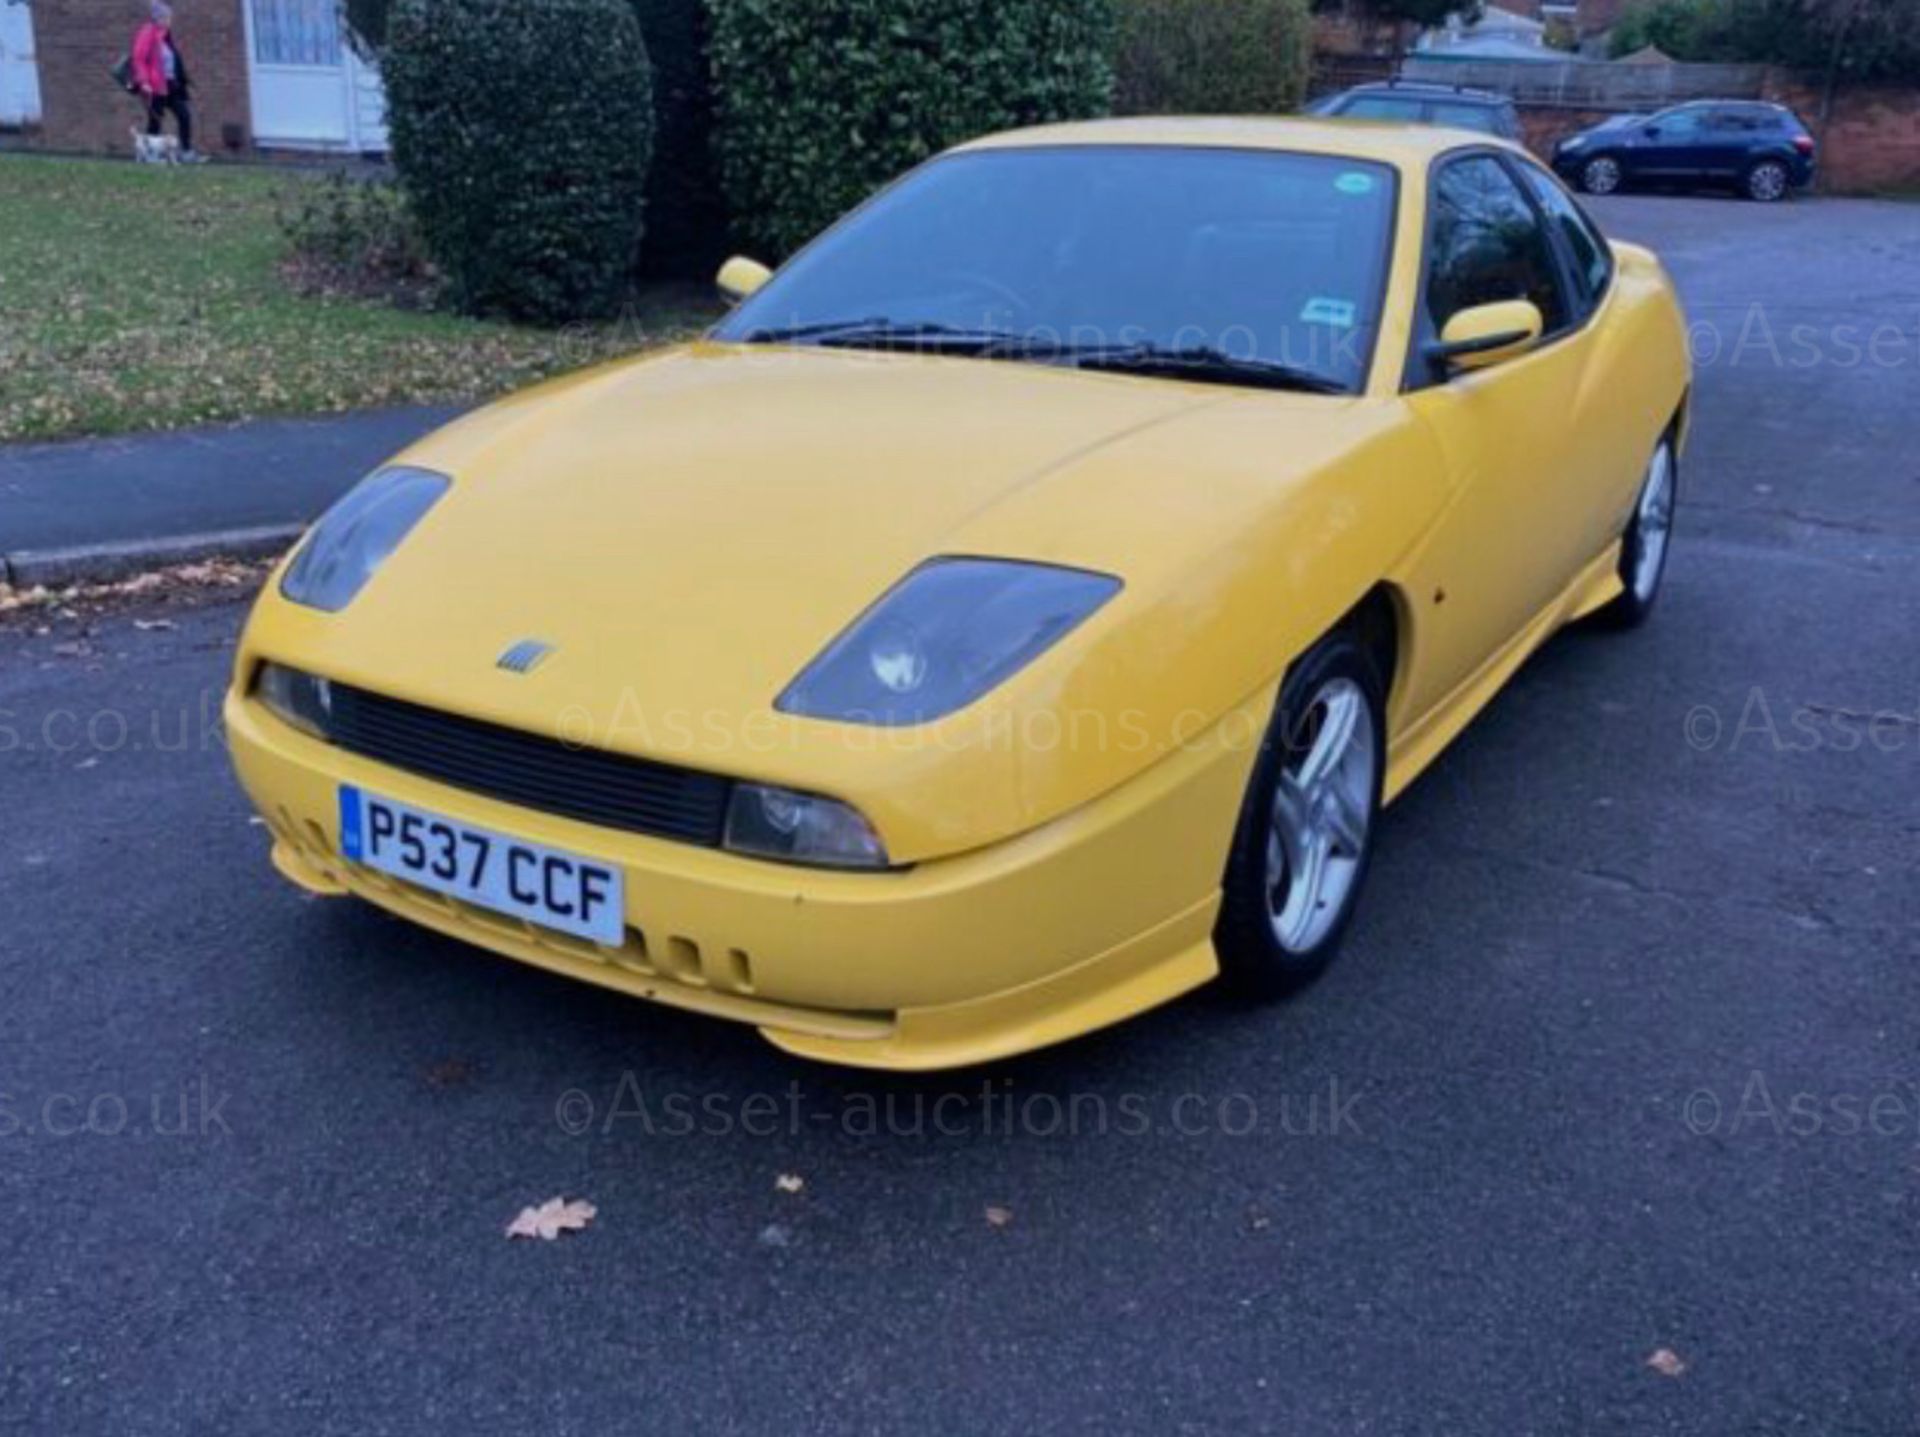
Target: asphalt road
(1622,1058)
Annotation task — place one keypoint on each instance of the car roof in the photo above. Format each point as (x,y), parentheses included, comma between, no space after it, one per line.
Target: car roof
(1426,89)
(1388,142)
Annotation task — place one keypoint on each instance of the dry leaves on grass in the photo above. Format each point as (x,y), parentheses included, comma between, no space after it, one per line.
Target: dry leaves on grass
(551,1218)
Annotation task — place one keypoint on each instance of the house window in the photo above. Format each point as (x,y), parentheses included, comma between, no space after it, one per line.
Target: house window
(296,32)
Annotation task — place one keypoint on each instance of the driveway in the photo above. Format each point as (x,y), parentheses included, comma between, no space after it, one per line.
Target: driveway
(1607,1122)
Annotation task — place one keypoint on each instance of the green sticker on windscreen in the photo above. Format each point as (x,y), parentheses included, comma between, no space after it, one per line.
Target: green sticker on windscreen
(1353,182)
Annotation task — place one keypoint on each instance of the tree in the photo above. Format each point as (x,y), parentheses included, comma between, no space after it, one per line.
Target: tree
(1223,57)
(1401,15)
(1834,42)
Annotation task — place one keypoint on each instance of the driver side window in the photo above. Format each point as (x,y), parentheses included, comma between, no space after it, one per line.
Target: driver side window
(1489,245)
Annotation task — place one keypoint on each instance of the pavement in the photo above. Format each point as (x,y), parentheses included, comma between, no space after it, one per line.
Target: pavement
(95,508)
(1606,1122)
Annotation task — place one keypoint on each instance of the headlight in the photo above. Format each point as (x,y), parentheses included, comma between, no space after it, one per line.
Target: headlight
(948,633)
(801,828)
(355,536)
(300,699)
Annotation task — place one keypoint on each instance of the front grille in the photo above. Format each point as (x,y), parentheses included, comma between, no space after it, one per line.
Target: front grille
(587,784)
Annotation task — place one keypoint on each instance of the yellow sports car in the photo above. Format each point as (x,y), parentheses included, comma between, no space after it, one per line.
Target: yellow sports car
(1014,614)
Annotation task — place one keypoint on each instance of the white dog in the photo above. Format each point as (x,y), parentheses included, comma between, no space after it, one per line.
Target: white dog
(155,149)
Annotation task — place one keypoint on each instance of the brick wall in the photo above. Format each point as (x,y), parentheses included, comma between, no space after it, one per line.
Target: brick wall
(1544,126)
(78,42)
(1872,141)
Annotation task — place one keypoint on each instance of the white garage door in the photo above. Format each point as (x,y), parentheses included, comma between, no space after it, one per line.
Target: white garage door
(19,72)
(309,89)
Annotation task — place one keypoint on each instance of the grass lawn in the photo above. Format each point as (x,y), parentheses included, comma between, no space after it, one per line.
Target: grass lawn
(145,298)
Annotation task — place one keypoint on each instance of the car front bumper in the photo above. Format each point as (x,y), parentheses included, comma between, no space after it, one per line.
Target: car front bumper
(1085,921)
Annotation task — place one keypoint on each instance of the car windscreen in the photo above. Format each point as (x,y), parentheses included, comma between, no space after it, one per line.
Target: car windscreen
(1265,255)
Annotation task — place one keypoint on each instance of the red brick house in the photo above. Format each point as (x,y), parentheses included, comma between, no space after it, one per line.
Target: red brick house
(268,74)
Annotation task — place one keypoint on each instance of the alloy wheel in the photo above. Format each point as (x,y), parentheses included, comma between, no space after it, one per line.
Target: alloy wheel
(1601,176)
(1653,527)
(1768,182)
(1322,811)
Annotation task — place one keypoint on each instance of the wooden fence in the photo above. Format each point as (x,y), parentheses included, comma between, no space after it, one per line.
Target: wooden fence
(1591,84)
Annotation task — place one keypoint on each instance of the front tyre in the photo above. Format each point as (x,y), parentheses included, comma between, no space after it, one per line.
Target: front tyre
(1643,552)
(1306,830)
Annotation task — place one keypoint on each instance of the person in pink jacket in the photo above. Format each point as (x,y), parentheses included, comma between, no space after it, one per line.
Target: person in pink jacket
(161,76)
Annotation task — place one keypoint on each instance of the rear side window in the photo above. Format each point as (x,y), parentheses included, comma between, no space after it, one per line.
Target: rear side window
(1483,118)
(1382,107)
(1489,245)
(1592,259)
(1680,124)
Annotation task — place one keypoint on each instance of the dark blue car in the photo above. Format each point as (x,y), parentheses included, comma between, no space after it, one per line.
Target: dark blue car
(1763,151)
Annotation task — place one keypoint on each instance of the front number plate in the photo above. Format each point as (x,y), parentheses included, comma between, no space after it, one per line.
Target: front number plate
(557,890)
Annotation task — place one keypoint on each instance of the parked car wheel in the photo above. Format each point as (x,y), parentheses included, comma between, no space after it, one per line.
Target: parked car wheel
(1768,182)
(1643,554)
(1601,175)
(1306,831)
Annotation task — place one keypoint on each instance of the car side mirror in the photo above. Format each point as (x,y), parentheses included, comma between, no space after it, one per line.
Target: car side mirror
(1652,132)
(740,277)
(1488,334)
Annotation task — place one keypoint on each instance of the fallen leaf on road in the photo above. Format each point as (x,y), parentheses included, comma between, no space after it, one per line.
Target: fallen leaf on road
(1667,1363)
(449,1073)
(999,1216)
(551,1218)
(790,1182)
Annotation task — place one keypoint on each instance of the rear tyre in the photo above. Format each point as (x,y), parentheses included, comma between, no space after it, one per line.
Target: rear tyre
(1601,175)
(1305,840)
(1768,182)
(1643,552)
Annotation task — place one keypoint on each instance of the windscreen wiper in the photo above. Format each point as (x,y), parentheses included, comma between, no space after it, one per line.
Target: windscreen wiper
(882,333)
(1202,363)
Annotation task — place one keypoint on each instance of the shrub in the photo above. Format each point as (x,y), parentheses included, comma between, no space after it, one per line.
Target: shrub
(820,102)
(1197,57)
(353,236)
(686,215)
(522,130)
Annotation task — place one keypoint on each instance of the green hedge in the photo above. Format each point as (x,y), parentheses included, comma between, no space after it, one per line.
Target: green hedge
(1218,57)
(686,214)
(522,130)
(820,102)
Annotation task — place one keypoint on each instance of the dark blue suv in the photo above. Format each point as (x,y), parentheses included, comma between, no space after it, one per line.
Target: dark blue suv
(1764,151)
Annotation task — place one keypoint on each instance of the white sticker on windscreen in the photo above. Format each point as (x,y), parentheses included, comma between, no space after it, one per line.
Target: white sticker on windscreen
(1337,313)
(1354,182)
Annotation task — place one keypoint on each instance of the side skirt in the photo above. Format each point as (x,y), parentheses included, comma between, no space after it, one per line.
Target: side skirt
(1425,740)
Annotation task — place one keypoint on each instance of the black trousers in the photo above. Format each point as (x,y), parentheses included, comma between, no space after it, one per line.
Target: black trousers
(157,108)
